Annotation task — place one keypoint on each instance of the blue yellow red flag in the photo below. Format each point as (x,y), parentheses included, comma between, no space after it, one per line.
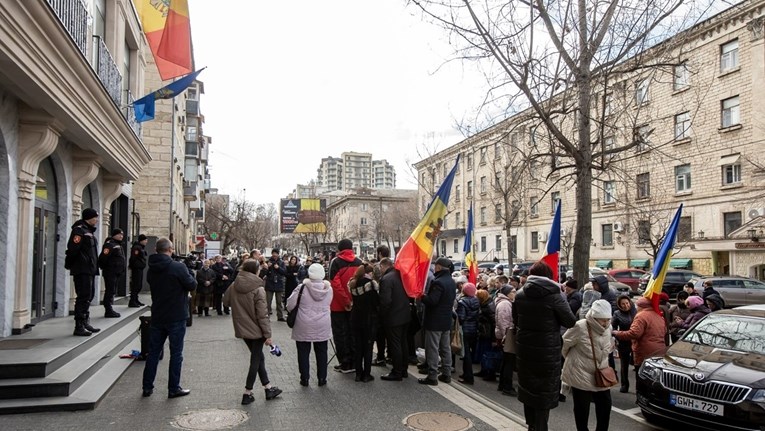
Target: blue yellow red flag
(470,261)
(661,263)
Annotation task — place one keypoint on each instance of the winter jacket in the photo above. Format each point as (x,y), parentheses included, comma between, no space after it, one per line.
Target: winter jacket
(170,283)
(395,308)
(249,313)
(137,257)
(366,303)
(302,273)
(647,335)
(204,275)
(588,297)
(716,300)
(579,366)
(312,323)
(606,292)
(341,270)
(82,250)
(711,291)
(622,322)
(539,311)
(468,309)
(223,269)
(486,321)
(438,302)
(678,310)
(504,322)
(695,315)
(575,301)
(112,258)
(275,276)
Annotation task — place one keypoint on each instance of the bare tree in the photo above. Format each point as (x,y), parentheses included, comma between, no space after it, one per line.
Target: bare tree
(566,241)
(242,223)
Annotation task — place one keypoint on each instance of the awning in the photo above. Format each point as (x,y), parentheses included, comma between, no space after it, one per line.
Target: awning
(731,159)
(681,263)
(640,263)
(605,263)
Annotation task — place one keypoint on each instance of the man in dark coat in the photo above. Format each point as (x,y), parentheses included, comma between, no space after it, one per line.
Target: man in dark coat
(82,263)
(539,311)
(395,314)
(225,273)
(112,262)
(573,295)
(275,283)
(439,303)
(137,264)
(170,283)
(710,290)
(600,284)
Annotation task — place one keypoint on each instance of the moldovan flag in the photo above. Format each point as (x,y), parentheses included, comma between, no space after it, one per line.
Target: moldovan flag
(661,263)
(552,256)
(470,261)
(413,260)
(168,29)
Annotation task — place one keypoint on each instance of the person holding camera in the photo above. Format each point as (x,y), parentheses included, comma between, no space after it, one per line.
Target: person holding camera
(275,284)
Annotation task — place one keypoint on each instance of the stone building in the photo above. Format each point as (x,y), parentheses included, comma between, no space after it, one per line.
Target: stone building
(696,128)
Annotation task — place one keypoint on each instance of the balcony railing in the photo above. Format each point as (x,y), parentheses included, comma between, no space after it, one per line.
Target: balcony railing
(74,17)
(129,113)
(189,191)
(192,107)
(107,70)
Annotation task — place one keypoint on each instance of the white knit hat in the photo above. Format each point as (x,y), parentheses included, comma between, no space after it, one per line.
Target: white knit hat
(316,272)
(601,309)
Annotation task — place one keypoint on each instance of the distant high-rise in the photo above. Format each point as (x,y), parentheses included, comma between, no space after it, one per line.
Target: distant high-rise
(354,170)
(357,170)
(383,175)
(330,174)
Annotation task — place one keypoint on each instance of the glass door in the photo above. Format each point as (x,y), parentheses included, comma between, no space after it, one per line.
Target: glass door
(44,258)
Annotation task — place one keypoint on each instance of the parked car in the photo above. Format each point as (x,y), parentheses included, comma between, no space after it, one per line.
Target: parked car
(629,276)
(483,266)
(458,265)
(673,281)
(612,282)
(519,267)
(712,377)
(735,291)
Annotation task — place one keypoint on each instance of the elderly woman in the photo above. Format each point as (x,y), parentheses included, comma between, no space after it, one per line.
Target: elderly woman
(505,332)
(205,285)
(589,336)
(312,323)
(468,308)
(698,309)
(646,333)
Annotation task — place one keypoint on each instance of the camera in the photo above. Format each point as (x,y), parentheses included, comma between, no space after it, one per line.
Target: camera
(275,350)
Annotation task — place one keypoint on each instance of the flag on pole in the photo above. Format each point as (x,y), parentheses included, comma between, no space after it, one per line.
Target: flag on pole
(552,256)
(144,107)
(167,27)
(661,262)
(413,260)
(470,261)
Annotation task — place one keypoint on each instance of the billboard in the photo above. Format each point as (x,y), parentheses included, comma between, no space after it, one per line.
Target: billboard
(303,216)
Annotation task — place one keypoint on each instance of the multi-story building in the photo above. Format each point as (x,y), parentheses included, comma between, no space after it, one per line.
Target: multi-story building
(357,170)
(330,174)
(383,175)
(694,135)
(68,138)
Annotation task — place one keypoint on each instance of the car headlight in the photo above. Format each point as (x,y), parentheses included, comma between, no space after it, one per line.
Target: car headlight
(759,396)
(649,371)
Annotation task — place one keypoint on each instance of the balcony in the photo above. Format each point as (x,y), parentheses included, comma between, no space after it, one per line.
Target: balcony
(74,16)
(190,191)
(192,107)
(107,70)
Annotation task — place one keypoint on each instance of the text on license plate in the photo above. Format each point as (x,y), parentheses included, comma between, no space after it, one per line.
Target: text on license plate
(696,405)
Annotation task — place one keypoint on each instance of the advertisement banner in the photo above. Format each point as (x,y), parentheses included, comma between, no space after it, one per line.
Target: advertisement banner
(303,216)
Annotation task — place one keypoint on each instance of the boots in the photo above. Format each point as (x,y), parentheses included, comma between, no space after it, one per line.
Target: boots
(207,312)
(86,324)
(79,327)
(133,303)
(111,313)
(199,311)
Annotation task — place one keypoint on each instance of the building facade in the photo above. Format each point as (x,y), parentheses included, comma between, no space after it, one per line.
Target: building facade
(330,174)
(383,175)
(354,170)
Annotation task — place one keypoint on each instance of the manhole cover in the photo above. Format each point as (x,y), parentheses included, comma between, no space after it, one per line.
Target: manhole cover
(208,420)
(437,421)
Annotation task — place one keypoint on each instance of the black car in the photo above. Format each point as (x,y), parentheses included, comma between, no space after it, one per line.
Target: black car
(518,268)
(673,281)
(713,378)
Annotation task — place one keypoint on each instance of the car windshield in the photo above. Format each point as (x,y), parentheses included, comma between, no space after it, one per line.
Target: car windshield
(731,332)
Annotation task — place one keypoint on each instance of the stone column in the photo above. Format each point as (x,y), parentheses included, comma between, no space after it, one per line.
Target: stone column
(38,137)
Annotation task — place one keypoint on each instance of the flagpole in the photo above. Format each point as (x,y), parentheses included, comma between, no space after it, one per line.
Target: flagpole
(172,165)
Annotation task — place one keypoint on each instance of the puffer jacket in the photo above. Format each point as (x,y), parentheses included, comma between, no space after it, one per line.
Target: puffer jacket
(247,299)
(312,323)
(468,309)
(622,322)
(606,292)
(646,333)
(504,322)
(579,366)
(696,314)
(681,311)
(439,301)
(539,311)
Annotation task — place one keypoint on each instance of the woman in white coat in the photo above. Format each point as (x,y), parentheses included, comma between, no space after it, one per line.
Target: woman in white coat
(312,323)
(579,368)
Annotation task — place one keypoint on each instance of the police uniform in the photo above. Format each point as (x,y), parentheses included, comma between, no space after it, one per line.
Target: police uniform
(137,265)
(112,262)
(82,263)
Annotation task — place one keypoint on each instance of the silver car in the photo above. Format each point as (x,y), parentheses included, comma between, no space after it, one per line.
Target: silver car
(735,291)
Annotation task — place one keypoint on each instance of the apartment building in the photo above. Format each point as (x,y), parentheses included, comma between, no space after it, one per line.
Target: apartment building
(694,135)
(383,175)
(354,170)
(330,174)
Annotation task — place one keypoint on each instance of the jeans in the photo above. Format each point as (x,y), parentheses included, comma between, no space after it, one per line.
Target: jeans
(341,333)
(257,363)
(398,349)
(279,303)
(469,342)
(158,332)
(304,366)
(110,289)
(582,399)
(84,286)
(437,346)
(536,418)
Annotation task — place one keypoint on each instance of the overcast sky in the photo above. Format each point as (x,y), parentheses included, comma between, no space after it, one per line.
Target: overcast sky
(290,82)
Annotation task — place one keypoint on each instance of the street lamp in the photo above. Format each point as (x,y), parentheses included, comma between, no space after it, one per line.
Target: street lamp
(755,235)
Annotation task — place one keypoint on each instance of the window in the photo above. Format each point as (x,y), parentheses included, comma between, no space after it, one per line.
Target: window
(644,232)
(364,206)
(682,126)
(443,248)
(608,143)
(641,91)
(731,174)
(498,181)
(455,249)
(498,213)
(642,137)
(609,192)
(483,244)
(608,105)
(483,215)
(457,220)
(363,221)
(446,170)
(682,178)
(437,169)
(483,185)
(682,77)
(469,161)
(498,242)
(457,193)
(191,133)
(730,112)
(534,210)
(533,136)
(497,150)
(729,56)
(643,185)
(514,140)
(607,231)
(445,223)
(535,241)
(483,151)
(685,230)
(554,199)
(732,222)
(514,246)
(470,189)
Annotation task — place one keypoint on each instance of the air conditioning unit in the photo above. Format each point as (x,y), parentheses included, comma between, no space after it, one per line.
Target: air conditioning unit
(756,212)
(618,227)
(543,236)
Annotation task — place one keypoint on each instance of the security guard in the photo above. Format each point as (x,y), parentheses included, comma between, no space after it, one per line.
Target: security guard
(112,262)
(82,263)
(137,264)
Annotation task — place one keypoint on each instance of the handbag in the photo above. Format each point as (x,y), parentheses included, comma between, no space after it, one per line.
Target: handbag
(292,315)
(604,377)
(456,342)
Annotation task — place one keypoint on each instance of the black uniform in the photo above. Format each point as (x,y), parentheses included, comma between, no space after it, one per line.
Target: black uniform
(137,264)
(112,262)
(82,263)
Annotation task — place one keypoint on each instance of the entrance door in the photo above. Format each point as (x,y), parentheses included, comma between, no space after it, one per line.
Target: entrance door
(44,289)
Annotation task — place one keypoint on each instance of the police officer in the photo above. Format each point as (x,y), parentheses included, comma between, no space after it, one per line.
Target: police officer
(82,263)
(112,262)
(137,264)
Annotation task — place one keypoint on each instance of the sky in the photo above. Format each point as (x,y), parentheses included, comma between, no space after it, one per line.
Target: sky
(290,82)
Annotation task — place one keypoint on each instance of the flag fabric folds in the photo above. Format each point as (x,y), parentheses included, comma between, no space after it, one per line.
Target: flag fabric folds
(413,259)
(470,261)
(552,255)
(168,30)
(144,107)
(661,263)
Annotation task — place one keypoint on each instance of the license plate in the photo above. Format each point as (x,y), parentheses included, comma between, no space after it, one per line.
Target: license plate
(696,405)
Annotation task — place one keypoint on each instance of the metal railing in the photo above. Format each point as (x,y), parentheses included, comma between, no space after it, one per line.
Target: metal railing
(107,70)
(129,113)
(74,17)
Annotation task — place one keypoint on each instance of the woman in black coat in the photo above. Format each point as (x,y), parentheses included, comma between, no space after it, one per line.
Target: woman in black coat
(291,280)
(205,284)
(539,312)
(622,321)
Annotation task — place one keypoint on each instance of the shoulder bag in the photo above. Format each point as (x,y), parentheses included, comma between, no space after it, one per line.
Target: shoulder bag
(604,377)
(292,315)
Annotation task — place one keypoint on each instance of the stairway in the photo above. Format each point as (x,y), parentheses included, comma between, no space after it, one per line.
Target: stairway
(59,372)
